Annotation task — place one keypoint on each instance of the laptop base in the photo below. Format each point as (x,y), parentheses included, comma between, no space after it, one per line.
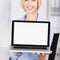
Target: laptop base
(47,51)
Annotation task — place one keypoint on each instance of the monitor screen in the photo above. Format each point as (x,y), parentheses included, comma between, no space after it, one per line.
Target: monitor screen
(31,33)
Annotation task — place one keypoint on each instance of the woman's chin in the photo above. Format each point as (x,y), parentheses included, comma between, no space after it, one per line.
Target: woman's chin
(30,12)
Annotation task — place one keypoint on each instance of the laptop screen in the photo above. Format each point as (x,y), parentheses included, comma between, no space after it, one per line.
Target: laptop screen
(30,33)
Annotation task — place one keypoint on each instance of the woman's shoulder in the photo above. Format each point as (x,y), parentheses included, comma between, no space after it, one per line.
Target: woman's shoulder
(43,19)
(21,18)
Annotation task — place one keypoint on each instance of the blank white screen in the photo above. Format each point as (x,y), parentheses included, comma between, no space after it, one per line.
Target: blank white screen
(30,33)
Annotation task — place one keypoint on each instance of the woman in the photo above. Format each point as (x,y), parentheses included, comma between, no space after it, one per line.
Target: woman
(31,8)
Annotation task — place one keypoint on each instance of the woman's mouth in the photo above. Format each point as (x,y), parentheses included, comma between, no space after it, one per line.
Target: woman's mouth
(30,8)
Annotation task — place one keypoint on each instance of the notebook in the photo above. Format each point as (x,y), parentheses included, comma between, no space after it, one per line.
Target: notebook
(30,36)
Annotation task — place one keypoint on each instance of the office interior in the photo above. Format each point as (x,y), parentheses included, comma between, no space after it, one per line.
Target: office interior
(5,34)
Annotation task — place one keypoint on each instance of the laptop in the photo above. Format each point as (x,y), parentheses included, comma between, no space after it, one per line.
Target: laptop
(30,36)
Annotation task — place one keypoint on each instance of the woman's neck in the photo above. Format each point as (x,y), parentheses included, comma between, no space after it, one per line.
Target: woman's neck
(31,17)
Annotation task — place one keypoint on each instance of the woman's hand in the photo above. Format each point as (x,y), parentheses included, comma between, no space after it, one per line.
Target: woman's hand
(16,53)
(42,56)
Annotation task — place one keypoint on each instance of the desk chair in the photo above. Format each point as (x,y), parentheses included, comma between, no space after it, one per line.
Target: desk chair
(54,46)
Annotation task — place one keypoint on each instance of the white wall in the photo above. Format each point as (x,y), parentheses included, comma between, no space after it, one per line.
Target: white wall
(54,15)
(4,29)
(4,22)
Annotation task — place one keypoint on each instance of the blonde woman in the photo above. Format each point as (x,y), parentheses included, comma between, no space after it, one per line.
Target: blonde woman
(31,8)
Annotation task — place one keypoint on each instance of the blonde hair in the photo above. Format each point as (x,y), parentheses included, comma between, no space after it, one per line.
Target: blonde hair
(38,2)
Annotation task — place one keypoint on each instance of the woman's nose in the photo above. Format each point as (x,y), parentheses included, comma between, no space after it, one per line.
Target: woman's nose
(29,2)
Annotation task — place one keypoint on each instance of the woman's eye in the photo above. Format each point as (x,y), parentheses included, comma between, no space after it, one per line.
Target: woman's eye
(33,0)
(26,0)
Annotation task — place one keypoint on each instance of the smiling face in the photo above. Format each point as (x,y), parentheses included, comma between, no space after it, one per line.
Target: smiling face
(30,6)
